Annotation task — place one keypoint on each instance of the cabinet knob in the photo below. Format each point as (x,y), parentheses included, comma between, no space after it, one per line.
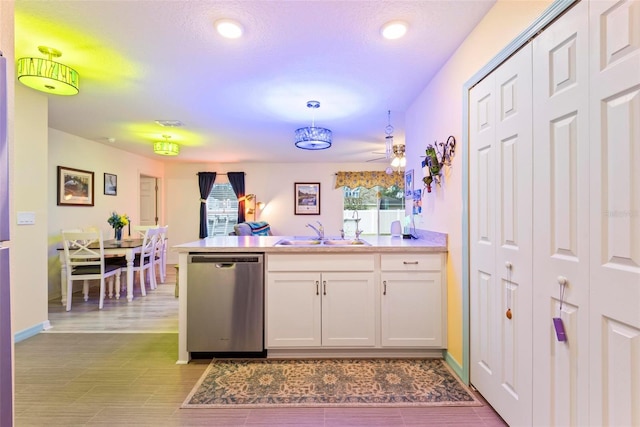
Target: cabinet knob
(508,265)
(562,280)
(317,287)
(384,292)
(324,287)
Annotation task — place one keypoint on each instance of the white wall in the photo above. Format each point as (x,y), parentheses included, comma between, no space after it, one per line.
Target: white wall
(78,153)
(29,191)
(437,113)
(273,184)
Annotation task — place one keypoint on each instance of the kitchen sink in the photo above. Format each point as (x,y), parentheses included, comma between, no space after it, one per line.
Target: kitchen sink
(316,242)
(297,242)
(343,242)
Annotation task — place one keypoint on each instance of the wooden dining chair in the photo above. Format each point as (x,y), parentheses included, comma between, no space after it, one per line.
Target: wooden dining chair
(143,261)
(140,230)
(160,260)
(86,263)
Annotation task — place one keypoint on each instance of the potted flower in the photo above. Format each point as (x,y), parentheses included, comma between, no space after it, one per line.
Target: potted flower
(118,222)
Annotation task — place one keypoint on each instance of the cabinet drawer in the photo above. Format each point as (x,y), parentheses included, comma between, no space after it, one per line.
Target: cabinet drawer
(320,262)
(411,262)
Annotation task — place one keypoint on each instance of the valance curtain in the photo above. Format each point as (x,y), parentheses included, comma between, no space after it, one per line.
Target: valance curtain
(369,179)
(236,179)
(205,181)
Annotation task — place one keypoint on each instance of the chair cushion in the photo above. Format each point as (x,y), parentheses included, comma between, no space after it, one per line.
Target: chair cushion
(121,262)
(93,269)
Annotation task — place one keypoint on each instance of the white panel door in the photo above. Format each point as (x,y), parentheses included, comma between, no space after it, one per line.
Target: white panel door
(148,201)
(501,247)
(561,219)
(484,297)
(615,212)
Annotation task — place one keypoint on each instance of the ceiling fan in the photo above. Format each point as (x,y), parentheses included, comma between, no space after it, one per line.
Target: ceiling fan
(394,153)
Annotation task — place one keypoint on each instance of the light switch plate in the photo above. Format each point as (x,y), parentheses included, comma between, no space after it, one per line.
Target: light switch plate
(26,218)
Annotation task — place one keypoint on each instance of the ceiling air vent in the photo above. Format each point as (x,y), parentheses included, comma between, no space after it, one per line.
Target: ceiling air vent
(170,123)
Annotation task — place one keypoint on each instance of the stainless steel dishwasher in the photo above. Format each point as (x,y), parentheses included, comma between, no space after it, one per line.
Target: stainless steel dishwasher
(225,302)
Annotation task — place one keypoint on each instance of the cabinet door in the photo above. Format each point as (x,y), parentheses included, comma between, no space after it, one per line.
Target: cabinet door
(293,310)
(412,309)
(348,309)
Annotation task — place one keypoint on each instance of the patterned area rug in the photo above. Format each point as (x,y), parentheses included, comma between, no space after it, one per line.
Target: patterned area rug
(325,383)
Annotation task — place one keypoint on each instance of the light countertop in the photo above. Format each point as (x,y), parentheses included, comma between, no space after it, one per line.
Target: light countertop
(428,241)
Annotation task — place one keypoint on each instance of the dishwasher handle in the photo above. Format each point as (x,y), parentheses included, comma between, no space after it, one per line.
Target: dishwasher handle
(225,265)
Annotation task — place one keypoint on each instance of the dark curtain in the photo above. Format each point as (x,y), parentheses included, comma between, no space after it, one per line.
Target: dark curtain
(205,181)
(236,179)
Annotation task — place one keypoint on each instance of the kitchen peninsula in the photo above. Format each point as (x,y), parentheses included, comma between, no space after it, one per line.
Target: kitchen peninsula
(385,296)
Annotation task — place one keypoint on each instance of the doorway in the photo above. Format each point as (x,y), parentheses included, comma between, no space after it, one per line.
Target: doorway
(148,200)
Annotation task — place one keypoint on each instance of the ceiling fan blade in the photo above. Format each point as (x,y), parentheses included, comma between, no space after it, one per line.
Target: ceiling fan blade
(377,159)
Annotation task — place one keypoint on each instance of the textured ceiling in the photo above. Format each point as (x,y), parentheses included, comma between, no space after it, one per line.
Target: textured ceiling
(241,100)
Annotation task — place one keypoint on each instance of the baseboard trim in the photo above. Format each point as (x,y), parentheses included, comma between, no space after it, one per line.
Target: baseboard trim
(353,353)
(456,367)
(32,331)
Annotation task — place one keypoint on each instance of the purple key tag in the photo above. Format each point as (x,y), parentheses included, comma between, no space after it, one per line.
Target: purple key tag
(559,327)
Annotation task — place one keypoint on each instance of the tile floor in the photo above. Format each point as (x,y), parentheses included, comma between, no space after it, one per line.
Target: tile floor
(87,371)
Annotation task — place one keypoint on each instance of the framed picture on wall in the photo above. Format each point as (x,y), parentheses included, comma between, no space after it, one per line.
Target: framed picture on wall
(110,184)
(307,198)
(75,187)
(408,184)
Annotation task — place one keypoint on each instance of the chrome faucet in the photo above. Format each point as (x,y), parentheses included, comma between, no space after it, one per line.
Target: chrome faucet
(357,217)
(319,230)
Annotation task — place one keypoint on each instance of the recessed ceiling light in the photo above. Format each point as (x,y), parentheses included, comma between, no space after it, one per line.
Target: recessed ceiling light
(394,30)
(229,28)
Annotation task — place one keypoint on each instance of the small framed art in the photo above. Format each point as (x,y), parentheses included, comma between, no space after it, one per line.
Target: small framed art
(307,198)
(408,184)
(110,184)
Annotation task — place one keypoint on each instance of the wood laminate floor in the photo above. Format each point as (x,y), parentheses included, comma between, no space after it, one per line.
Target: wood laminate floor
(116,367)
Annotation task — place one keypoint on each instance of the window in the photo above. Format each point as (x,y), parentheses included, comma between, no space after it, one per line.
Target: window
(222,210)
(374,209)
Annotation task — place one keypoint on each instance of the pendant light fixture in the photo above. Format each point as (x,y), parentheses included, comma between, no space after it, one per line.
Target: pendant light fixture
(166,148)
(313,138)
(48,76)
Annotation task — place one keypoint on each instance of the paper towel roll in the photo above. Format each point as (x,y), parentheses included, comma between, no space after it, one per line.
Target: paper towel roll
(396,229)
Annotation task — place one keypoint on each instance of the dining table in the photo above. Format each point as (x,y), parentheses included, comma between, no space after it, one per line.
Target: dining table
(127,247)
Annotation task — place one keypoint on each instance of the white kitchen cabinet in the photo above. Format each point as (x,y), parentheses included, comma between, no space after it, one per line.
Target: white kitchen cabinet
(311,308)
(348,309)
(413,300)
(293,314)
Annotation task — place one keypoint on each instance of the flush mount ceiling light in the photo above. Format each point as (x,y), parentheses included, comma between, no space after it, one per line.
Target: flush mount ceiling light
(228,28)
(313,138)
(166,148)
(46,75)
(394,30)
